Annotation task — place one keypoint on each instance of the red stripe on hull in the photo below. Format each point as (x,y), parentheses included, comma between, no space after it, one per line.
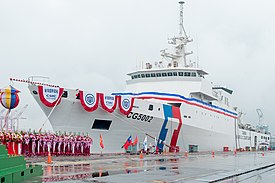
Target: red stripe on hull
(174,139)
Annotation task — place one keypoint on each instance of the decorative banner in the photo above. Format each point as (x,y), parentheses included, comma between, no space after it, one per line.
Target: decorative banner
(108,102)
(50,95)
(125,104)
(89,101)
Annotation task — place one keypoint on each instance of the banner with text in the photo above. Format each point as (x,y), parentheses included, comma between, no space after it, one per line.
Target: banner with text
(49,96)
(108,102)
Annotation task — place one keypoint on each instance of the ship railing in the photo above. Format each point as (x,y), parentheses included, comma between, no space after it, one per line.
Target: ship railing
(40,80)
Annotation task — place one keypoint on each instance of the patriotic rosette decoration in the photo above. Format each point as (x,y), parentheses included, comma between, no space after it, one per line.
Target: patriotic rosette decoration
(108,102)
(125,104)
(50,96)
(89,101)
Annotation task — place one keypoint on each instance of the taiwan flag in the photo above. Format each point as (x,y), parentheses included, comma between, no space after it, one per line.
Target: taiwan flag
(127,143)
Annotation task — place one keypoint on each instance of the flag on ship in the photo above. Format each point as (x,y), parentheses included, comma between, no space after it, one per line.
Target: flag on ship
(156,144)
(127,143)
(135,141)
(101,142)
(145,144)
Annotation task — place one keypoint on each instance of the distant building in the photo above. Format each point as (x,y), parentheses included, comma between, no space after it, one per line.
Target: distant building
(272,143)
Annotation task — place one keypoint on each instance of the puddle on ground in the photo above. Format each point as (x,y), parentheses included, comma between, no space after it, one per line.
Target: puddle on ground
(85,171)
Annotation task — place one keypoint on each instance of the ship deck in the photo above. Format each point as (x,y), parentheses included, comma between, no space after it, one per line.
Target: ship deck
(195,168)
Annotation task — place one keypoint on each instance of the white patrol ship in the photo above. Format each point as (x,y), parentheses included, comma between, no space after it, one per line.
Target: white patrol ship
(173,104)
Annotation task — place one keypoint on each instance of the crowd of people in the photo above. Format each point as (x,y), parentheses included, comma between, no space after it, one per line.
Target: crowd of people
(41,144)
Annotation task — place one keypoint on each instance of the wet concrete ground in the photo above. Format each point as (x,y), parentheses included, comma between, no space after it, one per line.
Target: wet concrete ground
(245,167)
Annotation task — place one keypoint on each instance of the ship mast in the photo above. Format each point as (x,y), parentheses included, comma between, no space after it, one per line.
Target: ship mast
(181,28)
(178,58)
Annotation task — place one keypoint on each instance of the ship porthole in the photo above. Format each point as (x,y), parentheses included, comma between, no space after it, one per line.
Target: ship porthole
(34,92)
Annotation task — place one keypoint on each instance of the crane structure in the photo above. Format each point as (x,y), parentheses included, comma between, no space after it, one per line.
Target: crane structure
(2,117)
(261,125)
(260,115)
(14,119)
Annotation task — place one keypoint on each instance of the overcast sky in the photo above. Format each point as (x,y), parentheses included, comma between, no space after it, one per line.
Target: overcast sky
(79,43)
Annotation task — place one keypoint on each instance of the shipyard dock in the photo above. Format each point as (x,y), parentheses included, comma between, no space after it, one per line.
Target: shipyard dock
(220,167)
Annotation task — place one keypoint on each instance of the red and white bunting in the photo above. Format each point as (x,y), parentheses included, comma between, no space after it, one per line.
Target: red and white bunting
(108,102)
(125,104)
(49,96)
(88,100)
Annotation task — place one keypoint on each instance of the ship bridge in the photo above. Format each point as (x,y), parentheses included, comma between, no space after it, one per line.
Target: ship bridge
(168,73)
(189,82)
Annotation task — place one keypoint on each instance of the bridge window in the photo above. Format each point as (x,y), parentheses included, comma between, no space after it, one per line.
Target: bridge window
(143,75)
(193,74)
(135,76)
(164,74)
(180,73)
(147,75)
(170,74)
(187,74)
(153,75)
(175,73)
(158,74)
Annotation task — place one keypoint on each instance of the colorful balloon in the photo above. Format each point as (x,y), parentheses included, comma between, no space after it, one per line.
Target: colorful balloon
(9,97)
